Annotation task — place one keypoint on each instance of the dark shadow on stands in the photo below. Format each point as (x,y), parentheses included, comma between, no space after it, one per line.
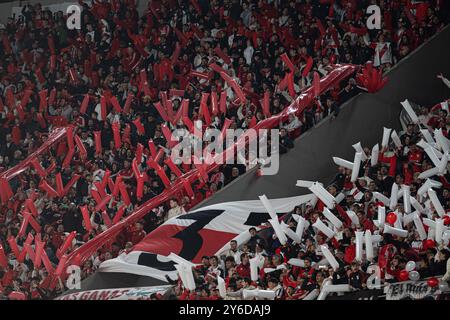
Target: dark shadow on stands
(361,119)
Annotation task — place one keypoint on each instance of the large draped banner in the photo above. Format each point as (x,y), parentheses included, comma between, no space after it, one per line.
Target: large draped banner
(141,293)
(203,232)
(410,290)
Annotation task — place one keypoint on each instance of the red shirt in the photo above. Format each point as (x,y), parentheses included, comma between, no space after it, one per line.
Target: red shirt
(243,270)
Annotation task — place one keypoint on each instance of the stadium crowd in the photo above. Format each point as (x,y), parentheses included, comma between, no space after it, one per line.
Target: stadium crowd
(174,42)
(281,271)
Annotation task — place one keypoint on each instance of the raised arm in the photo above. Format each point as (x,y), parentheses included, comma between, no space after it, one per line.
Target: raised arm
(444,80)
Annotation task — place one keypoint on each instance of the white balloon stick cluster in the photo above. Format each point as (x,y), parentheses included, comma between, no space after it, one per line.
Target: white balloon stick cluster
(255,263)
(221,286)
(258,293)
(302,225)
(329,288)
(274,219)
(409,110)
(321,193)
(184,269)
(368,240)
(354,166)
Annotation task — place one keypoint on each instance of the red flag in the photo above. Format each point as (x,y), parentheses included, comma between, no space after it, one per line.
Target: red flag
(119,214)
(252,122)
(321,27)
(181,37)
(152,148)
(198,74)
(102,204)
(106,219)
(39,75)
(68,158)
(44,186)
(66,244)
(98,142)
(81,148)
(84,104)
(43,100)
(236,88)
(39,169)
(188,123)
(59,184)
(287,62)
(3,258)
(116,134)
(176,54)
(126,108)
(168,135)
(86,218)
(139,179)
(139,152)
(187,186)
(52,97)
(216,68)
(223,102)
(103,105)
(36,226)
(73,76)
(160,172)
(218,51)
(161,111)
(159,155)
(204,111)
(115,104)
(39,249)
(46,261)
(28,241)
(70,183)
(214,105)
(173,167)
(266,104)
(26,98)
(196,6)
(23,226)
(70,137)
(308,67)
(14,248)
(179,113)
(41,120)
(291,84)
(10,99)
(140,128)
(124,193)
(176,93)
(53,63)
(6,44)
(316,84)
(61,265)
(29,203)
(51,45)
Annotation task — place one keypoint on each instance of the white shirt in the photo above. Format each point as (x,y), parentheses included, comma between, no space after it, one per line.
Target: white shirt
(294,124)
(248,54)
